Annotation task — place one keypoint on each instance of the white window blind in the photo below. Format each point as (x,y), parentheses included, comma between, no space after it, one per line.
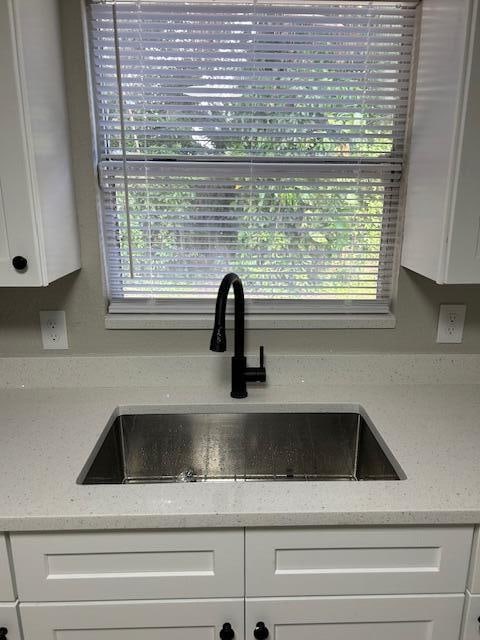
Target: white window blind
(263,137)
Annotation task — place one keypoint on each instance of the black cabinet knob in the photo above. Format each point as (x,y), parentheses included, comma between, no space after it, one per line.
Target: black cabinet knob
(3,633)
(260,632)
(20,264)
(226,632)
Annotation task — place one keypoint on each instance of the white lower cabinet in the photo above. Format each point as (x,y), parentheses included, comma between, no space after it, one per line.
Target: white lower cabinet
(471,625)
(355,618)
(9,620)
(300,583)
(146,620)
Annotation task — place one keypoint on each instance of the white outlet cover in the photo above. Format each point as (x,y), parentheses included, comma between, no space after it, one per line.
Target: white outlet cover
(451,319)
(53,325)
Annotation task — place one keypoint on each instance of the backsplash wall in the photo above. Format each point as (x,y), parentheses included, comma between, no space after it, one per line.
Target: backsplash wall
(82,298)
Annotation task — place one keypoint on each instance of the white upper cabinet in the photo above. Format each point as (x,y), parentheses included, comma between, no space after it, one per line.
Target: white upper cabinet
(442,222)
(37,211)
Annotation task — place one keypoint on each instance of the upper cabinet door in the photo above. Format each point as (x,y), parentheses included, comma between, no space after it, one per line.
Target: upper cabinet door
(17,221)
(442,219)
(37,212)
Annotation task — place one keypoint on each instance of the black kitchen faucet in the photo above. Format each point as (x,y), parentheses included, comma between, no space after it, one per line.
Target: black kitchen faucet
(241,374)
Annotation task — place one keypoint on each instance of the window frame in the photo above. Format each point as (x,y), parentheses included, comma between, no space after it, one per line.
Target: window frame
(172,313)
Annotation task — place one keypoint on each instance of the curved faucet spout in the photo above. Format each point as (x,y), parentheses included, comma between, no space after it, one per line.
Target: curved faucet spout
(219,340)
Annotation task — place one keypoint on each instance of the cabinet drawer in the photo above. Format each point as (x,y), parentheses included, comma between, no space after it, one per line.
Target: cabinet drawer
(359,618)
(128,565)
(6,589)
(340,561)
(9,620)
(471,625)
(174,620)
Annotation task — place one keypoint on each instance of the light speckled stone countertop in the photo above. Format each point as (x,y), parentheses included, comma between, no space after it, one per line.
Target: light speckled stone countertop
(433,430)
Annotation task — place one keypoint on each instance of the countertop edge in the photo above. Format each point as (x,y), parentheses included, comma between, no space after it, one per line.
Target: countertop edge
(224,521)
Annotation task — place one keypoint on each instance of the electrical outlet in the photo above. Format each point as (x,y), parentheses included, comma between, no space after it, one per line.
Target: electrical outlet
(451,319)
(54,329)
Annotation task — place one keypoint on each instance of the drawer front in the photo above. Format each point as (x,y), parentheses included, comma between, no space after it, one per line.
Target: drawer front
(6,589)
(358,618)
(129,565)
(9,620)
(174,620)
(331,561)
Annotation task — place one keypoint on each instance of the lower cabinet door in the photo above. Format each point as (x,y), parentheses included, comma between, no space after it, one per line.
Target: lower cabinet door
(9,621)
(471,627)
(355,618)
(140,620)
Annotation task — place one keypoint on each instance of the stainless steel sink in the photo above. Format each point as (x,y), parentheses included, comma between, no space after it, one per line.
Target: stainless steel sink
(239,447)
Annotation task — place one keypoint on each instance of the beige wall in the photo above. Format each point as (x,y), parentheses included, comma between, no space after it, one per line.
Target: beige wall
(81,294)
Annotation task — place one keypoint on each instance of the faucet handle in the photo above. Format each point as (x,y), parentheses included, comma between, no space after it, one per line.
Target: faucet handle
(254,374)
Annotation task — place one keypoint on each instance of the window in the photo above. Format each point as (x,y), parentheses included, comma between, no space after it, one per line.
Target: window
(264,137)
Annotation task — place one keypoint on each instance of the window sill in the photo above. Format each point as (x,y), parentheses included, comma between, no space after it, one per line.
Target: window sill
(253,321)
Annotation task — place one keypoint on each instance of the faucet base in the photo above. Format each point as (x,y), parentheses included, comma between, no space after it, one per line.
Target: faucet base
(238,394)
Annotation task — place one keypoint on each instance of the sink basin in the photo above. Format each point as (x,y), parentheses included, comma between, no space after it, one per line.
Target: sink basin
(204,447)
